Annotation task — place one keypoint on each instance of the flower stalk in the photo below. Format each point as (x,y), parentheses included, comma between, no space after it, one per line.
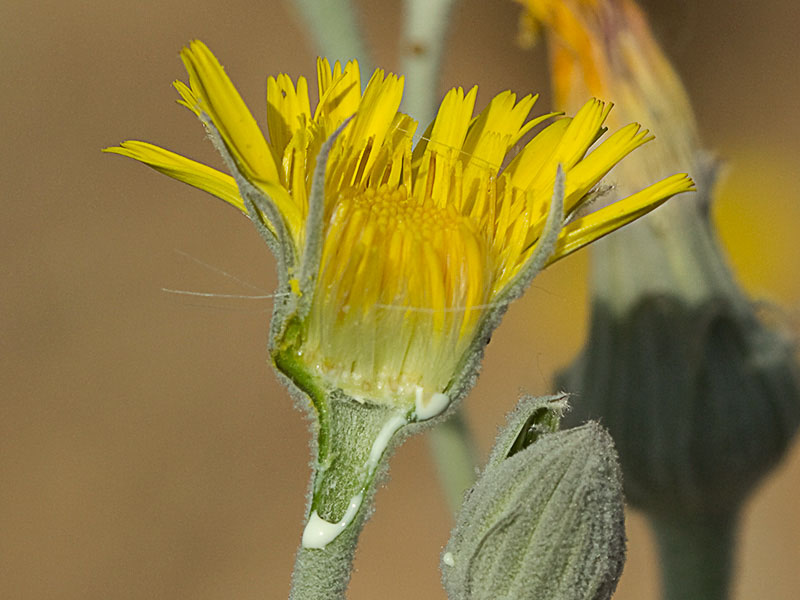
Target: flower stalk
(455,457)
(335,30)
(350,458)
(421,51)
(696,555)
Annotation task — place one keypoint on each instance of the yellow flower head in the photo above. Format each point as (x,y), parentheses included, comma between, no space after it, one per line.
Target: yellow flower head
(605,48)
(398,259)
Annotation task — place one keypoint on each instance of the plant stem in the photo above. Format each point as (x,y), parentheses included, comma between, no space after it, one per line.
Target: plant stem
(421,51)
(696,555)
(453,453)
(323,574)
(359,439)
(333,25)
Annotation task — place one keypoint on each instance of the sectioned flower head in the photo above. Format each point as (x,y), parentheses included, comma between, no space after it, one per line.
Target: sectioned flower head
(397,260)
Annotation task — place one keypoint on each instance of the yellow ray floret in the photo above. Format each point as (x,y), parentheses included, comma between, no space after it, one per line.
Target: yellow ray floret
(585,230)
(183,169)
(417,244)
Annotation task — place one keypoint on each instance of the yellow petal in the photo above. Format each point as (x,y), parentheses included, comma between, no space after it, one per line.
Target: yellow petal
(183,169)
(585,230)
(218,98)
(444,136)
(288,110)
(451,124)
(223,104)
(584,175)
(375,115)
(339,93)
(188,98)
(502,118)
(526,165)
(579,135)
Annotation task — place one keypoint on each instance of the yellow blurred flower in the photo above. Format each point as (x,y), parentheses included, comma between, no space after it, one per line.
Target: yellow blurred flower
(397,260)
(605,48)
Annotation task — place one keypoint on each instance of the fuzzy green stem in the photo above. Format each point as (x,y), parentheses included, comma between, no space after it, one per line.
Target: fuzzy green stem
(696,555)
(323,574)
(333,25)
(421,51)
(360,438)
(454,454)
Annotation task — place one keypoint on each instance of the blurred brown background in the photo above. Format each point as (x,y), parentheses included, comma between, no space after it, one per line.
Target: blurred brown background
(146,449)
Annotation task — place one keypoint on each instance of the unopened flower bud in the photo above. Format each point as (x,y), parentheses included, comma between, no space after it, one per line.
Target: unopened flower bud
(545,519)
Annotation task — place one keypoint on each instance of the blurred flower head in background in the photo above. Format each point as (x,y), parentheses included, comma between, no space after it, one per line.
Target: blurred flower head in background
(701,397)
